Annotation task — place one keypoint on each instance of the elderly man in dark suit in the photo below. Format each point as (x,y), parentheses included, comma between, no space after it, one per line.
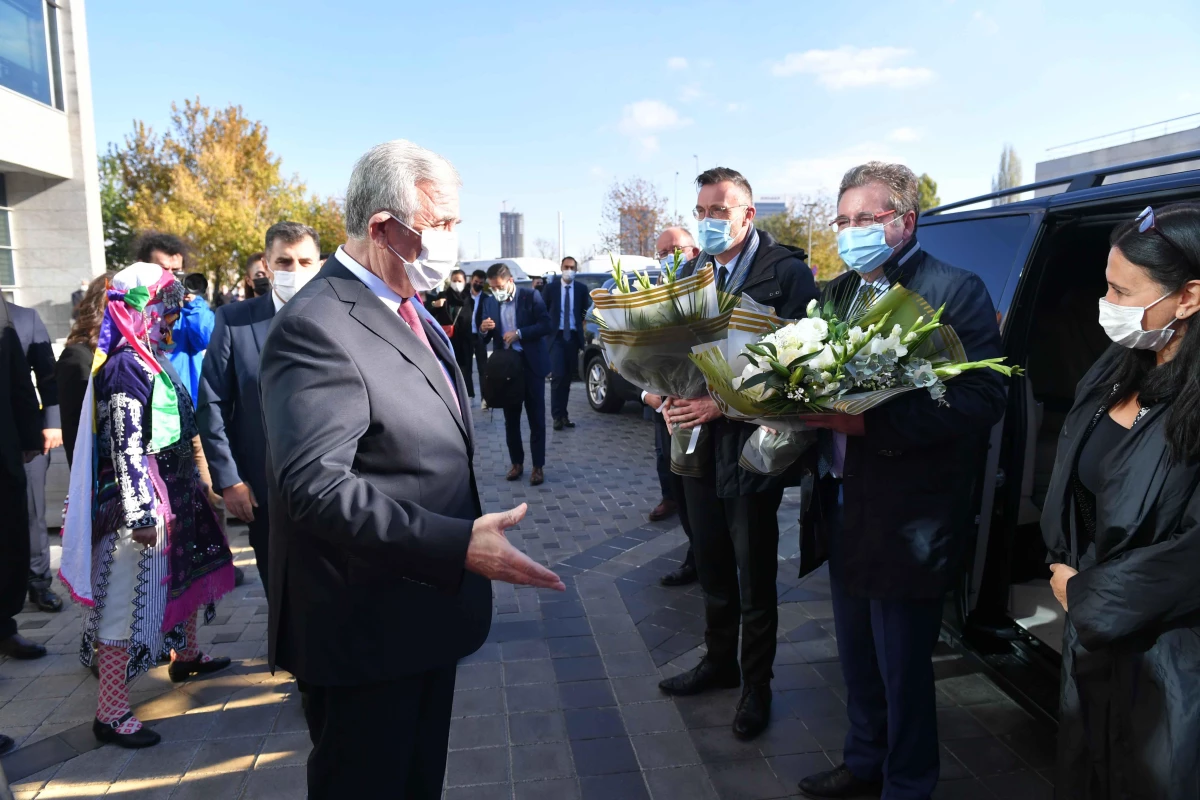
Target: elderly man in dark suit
(380,553)
(229,414)
(892,506)
(20,442)
(35,342)
(516,318)
(567,302)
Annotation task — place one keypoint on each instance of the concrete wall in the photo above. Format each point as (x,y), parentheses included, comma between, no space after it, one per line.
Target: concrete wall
(56,225)
(1180,142)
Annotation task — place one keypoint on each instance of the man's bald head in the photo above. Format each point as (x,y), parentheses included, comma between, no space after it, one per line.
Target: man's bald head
(673,239)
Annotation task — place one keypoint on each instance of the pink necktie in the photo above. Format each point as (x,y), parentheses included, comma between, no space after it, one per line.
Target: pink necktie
(409,315)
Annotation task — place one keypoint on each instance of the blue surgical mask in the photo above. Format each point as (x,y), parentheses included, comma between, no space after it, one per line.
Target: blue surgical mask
(714,235)
(865,249)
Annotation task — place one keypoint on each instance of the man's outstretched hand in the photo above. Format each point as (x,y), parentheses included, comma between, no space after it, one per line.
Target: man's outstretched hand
(491,555)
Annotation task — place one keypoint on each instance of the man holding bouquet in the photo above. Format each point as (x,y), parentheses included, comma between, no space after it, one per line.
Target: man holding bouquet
(892,505)
(735,532)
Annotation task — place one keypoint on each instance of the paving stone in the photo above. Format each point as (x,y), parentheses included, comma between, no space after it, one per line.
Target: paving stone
(652,717)
(163,760)
(669,749)
(488,791)
(573,647)
(637,689)
(626,665)
(628,786)
(747,780)
(479,676)
(985,756)
(594,723)
(226,755)
(491,731)
(470,767)
(538,697)
(603,756)
(541,761)
(680,783)
(537,727)
(284,783)
(560,789)
(518,673)
(586,694)
(791,769)
(284,750)
(478,702)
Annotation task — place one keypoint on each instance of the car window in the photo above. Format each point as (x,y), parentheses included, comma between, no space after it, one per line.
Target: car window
(987,246)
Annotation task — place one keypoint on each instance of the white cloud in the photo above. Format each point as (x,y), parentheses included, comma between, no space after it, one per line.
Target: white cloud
(677,62)
(853,67)
(904,135)
(734,108)
(690,93)
(985,23)
(643,120)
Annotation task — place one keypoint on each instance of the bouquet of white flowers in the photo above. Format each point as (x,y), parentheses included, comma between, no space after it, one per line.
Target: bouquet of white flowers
(834,361)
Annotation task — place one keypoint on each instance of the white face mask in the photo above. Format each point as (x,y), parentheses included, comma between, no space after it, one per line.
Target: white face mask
(286,284)
(568,275)
(439,254)
(458,286)
(1123,324)
(503,294)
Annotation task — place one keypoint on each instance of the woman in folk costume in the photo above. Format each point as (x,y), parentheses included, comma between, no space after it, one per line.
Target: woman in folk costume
(142,549)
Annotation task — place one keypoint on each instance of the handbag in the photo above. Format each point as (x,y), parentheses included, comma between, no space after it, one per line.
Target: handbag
(449,329)
(503,382)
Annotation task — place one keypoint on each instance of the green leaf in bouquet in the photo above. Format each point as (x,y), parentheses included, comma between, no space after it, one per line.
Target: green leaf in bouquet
(802,360)
(755,380)
(781,370)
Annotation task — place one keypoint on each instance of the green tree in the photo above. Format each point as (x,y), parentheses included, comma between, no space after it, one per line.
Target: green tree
(805,224)
(213,180)
(1008,176)
(927,192)
(114,211)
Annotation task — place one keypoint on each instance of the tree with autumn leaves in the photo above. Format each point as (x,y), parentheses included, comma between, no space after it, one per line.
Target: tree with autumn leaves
(211,179)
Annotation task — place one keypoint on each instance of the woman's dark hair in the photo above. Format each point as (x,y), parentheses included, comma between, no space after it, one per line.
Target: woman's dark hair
(90,313)
(1170,254)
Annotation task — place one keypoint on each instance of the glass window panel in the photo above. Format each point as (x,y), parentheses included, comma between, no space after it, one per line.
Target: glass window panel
(24,63)
(7,276)
(5,236)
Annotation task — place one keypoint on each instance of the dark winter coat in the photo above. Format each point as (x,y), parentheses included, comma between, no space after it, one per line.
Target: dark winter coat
(1130,703)
(779,277)
(909,483)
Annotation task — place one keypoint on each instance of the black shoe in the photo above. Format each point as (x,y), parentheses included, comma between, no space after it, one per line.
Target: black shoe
(45,599)
(6,744)
(681,577)
(17,646)
(107,732)
(567,423)
(705,676)
(558,424)
(753,711)
(180,671)
(839,782)
(239,577)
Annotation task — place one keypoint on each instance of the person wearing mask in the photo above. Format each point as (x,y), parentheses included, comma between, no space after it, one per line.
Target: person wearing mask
(35,342)
(567,303)
(74,366)
(229,415)
(1122,526)
(381,555)
(516,319)
(892,501)
(671,242)
(142,548)
(192,332)
(476,344)
(257,280)
(735,530)
(21,440)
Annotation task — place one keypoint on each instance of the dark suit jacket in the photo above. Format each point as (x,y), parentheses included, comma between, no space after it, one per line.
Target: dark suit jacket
(372,491)
(534,323)
(35,342)
(908,484)
(72,372)
(229,413)
(20,419)
(580,300)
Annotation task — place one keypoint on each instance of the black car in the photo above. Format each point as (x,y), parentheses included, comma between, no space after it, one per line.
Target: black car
(607,391)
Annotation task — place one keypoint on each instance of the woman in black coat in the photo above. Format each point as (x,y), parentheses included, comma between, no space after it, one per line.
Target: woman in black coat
(1122,519)
(75,362)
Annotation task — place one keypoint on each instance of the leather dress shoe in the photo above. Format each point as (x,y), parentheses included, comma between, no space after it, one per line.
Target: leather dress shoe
(17,646)
(6,744)
(566,421)
(666,508)
(753,711)
(514,472)
(839,782)
(180,671)
(45,599)
(681,577)
(706,675)
(537,477)
(107,732)
(239,577)
(558,424)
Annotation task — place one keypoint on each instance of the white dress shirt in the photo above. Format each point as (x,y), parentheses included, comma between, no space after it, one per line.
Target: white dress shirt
(373,281)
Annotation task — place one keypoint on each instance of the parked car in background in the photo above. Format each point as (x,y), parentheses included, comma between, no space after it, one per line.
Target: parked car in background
(607,391)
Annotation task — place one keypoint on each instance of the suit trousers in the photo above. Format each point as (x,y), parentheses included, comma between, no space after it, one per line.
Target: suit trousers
(670,483)
(735,542)
(886,651)
(39,539)
(259,530)
(535,409)
(14,551)
(380,740)
(470,346)
(564,355)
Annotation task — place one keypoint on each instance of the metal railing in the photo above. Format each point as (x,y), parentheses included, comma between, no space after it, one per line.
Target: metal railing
(1149,130)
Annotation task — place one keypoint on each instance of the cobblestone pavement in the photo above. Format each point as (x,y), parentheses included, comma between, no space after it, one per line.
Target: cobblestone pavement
(561,703)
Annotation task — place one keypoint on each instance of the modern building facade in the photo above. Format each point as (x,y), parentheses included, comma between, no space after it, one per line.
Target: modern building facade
(51,235)
(770,206)
(1181,141)
(512,233)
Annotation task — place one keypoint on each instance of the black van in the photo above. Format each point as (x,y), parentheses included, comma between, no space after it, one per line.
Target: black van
(1043,261)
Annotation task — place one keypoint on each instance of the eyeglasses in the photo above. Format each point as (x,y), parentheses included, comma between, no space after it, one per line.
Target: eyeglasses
(661,254)
(863,220)
(1148,222)
(715,212)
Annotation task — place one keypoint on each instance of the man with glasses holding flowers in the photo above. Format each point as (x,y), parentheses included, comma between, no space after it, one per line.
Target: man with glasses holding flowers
(733,512)
(892,506)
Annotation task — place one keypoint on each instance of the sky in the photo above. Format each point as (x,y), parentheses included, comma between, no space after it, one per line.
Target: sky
(542,105)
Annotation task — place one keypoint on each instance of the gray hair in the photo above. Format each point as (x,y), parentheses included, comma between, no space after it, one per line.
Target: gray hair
(290,233)
(386,179)
(901,183)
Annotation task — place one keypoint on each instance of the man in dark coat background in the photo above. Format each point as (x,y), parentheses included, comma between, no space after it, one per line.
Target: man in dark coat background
(893,500)
(735,530)
(567,302)
(229,413)
(380,554)
(20,442)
